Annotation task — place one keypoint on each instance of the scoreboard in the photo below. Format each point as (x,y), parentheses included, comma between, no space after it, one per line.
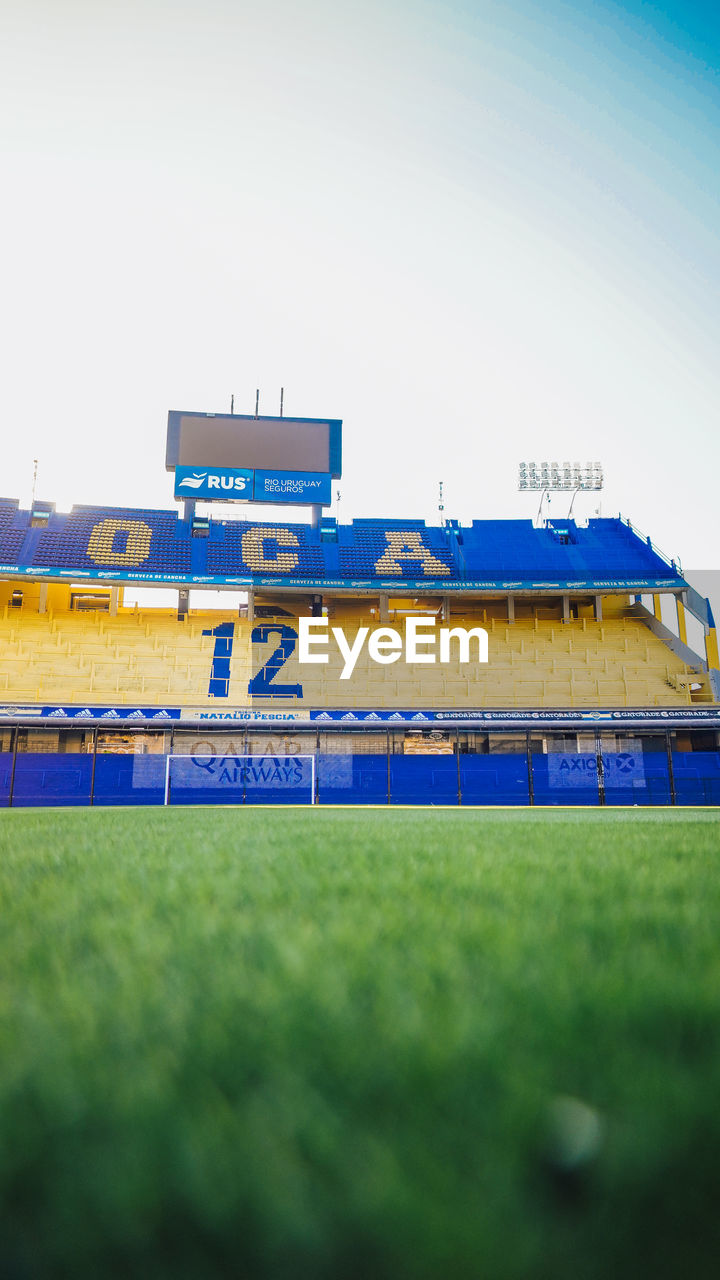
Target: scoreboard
(239,457)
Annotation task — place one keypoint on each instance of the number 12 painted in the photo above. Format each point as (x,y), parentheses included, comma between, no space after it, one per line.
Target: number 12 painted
(263,684)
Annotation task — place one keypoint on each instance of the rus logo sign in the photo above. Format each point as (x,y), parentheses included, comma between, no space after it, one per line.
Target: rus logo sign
(214,480)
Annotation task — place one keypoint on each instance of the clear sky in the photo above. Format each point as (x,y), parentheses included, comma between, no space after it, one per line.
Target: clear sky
(478,232)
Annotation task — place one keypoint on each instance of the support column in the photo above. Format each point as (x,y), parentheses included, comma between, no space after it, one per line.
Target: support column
(600,766)
(682,626)
(42,606)
(14,762)
(315,516)
(183,602)
(566,608)
(94,762)
(384,608)
(671,769)
(251,605)
(598,608)
(511,608)
(711,647)
(657,609)
(114,598)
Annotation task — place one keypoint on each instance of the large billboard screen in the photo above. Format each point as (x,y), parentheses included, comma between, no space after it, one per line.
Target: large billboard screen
(241,441)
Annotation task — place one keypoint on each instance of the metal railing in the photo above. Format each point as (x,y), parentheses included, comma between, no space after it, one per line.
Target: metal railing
(674,562)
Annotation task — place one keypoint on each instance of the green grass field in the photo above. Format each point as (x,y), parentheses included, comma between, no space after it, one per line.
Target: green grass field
(340,1044)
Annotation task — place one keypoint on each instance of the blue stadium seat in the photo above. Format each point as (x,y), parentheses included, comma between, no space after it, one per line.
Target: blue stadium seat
(92,537)
(487,551)
(11,538)
(253,547)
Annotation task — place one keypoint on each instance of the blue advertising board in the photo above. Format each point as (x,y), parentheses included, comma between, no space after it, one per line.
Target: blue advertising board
(315,582)
(293,486)
(639,720)
(241,484)
(218,484)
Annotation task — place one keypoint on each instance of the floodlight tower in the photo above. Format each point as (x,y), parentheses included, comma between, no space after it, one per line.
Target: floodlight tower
(559,477)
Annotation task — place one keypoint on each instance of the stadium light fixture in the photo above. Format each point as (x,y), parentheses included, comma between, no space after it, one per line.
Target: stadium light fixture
(559,477)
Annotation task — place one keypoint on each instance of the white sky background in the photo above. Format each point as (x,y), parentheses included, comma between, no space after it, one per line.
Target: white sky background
(477,234)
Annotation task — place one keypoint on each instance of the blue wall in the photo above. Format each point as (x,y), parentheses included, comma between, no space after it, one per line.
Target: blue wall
(45,779)
(129,779)
(501,779)
(697,777)
(5,776)
(557,779)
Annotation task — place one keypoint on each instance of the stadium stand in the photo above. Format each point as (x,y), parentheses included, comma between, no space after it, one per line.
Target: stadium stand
(390,548)
(288,548)
(90,537)
(76,657)
(11,537)
(498,551)
(514,549)
(587,697)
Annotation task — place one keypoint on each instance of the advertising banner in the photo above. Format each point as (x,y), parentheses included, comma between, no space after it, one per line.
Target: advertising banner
(293,486)
(129,573)
(624,763)
(226,484)
(241,484)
